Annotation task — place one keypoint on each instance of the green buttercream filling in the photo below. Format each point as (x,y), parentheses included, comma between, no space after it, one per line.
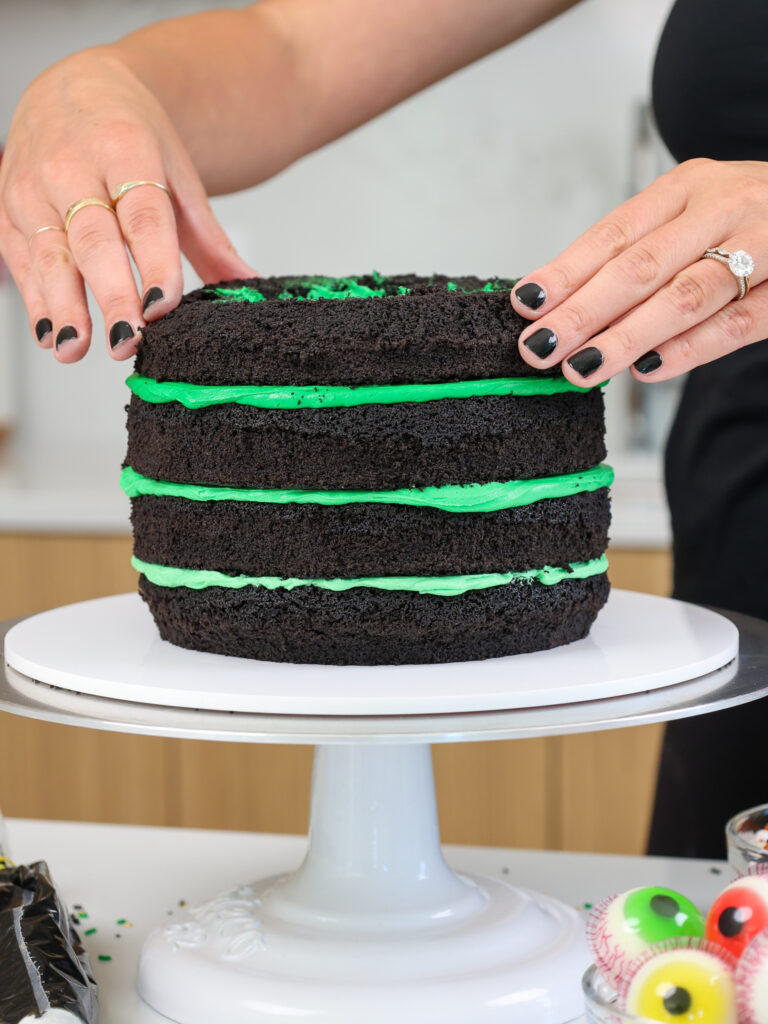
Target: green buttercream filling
(313,288)
(337,396)
(441,586)
(490,497)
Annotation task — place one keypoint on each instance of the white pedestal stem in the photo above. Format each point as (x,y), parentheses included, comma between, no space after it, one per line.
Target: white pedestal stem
(373,925)
(374,860)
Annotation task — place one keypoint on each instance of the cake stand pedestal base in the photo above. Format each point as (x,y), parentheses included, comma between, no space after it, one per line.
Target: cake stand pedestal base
(374,926)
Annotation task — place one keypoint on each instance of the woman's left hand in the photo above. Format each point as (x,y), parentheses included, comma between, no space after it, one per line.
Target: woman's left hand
(634,290)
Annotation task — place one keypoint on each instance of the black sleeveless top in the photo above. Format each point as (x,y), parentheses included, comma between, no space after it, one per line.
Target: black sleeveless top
(710,93)
(710,80)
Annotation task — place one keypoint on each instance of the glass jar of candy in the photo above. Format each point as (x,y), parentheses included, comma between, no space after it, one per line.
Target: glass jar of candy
(601,1002)
(747,837)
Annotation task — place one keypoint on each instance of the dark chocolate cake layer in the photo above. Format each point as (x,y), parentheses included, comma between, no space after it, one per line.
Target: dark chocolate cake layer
(365,626)
(351,541)
(432,334)
(373,447)
(361,331)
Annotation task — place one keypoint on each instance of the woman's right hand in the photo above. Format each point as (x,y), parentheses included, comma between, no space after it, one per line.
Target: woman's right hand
(86,126)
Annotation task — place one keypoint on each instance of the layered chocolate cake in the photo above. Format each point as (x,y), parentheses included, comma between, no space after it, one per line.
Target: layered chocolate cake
(362,471)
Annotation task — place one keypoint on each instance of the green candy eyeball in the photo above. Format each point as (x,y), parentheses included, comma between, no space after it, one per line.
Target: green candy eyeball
(655,914)
(621,928)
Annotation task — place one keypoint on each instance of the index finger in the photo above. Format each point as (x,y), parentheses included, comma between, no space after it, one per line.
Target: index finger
(546,287)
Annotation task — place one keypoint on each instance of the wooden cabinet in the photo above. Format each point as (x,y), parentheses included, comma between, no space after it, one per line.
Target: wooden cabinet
(545,793)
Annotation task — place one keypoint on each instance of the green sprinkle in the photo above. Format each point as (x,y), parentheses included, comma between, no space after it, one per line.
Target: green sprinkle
(90,931)
(451,287)
(82,915)
(588,906)
(121,921)
(104,958)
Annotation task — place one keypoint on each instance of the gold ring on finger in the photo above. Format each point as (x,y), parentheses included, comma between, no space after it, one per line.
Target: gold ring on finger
(45,227)
(128,185)
(81,205)
(740,264)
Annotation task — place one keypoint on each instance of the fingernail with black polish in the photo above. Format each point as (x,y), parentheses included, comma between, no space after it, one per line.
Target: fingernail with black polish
(648,363)
(542,342)
(531,295)
(153,295)
(43,327)
(65,334)
(121,331)
(587,361)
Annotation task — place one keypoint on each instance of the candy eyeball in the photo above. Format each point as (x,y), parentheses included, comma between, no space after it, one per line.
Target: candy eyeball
(761,837)
(739,913)
(622,927)
(752,982)
(685,980)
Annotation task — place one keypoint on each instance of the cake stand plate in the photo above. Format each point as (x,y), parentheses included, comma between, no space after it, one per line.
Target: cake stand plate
(125,659)
(374,926)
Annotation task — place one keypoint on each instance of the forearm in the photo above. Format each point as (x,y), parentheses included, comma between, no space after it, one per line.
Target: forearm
(228,81)
(251,90)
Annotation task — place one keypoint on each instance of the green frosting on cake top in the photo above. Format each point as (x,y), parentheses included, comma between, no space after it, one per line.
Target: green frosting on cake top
(304,289)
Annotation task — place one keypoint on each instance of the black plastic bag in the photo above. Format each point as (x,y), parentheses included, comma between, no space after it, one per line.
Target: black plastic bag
(42,962)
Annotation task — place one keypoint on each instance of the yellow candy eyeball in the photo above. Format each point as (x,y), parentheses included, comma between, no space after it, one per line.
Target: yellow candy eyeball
(752,981)
(686,980)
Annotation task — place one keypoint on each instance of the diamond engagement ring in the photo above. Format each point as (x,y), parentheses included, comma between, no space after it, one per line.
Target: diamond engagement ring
(740,264)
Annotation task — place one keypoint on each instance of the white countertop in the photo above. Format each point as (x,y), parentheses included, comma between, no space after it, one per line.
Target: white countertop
(140,875)
(41,491)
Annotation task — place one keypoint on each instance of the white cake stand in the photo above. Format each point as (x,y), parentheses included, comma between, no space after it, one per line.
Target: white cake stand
(374,927)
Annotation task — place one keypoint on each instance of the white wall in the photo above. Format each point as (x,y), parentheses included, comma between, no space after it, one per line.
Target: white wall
(491,172)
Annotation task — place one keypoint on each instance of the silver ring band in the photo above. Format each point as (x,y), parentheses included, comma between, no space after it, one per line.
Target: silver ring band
(740,264)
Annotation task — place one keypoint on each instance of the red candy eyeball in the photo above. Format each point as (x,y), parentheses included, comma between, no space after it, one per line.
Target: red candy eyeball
(739,913)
